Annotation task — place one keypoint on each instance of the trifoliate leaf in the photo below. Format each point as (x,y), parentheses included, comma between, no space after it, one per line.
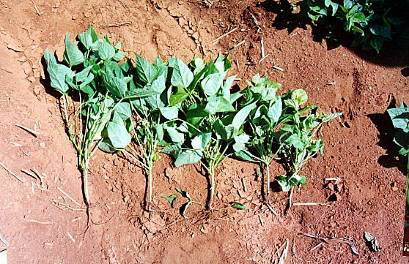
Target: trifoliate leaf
(300,96)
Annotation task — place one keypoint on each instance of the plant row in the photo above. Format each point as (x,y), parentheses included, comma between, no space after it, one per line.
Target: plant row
(194,112)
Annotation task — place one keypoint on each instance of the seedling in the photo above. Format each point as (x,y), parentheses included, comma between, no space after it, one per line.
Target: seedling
(154,115)
(298,139)
(266,108)
(212,123)
(91,74)
(280,128)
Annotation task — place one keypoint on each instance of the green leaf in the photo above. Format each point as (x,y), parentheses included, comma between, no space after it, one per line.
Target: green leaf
(170,199)
(238,206)
(116,85)
(106,146)
(159,84)
(117,132)
(227,86)
(212,83)
(242,115)
(72,55)
(222,63)
(284,183)
(178,97)
(140,93)
(225,132)
(244,155)
(88,38)
(348,4)
(240,142)
(218,104)
(124,110)
(145,70)
(381,30)
(399,117)
(274,112)
(119,55)
(200,141)
(296,180)
(181,75)
(188,157)
(175,135)
(85,87)
(105,50)
(57,73)
(377,43)
(198,65)
(329,117)
(83,75)
(300,96)
(169,112)
(234,97)
(295,141)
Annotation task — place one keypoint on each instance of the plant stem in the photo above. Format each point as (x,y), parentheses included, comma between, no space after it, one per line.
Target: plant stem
(407,186)
(267,170)
(84,166)
(84,172)
(212,187)
(148,201)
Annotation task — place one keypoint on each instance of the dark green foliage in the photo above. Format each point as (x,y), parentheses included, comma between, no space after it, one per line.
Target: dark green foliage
(371,22)
(400,121)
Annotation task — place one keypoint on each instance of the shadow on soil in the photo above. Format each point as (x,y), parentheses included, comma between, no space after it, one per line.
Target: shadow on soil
(385,128)
(394,54)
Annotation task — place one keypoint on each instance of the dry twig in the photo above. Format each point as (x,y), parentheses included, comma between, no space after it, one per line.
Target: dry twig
(69,197)
(36,8)
(278,68)
(39,222)
(224,35)
(310,204)
(11,173)
(31,131)
(238,44)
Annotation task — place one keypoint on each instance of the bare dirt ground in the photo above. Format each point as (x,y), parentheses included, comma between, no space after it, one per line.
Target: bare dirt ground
(43,221)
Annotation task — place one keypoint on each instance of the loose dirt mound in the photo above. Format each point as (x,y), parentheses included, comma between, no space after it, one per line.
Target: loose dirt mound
(44,222)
